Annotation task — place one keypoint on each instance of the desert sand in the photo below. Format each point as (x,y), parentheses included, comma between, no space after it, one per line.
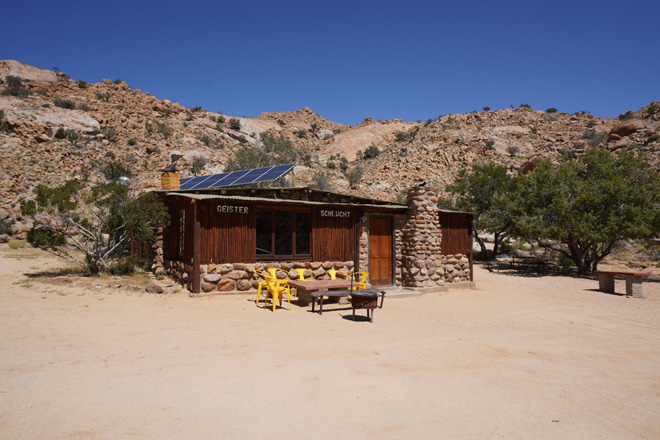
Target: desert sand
(516,358)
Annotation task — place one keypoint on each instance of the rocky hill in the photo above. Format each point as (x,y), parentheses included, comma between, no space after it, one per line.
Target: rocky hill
(53,128)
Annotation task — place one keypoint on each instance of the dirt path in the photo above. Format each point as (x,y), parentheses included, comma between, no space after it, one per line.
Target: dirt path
(518,358)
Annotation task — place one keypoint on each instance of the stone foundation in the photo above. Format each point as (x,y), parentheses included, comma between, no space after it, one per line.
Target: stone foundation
(239,277)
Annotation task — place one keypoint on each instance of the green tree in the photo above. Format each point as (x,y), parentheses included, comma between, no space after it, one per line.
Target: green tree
(91,227)
(14,87)
(486,191)
(583,206)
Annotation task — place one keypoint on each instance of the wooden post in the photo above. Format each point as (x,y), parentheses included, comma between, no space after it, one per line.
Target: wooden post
(196,287)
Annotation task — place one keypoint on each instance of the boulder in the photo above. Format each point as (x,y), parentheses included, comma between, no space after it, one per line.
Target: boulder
(625,128)
(154,288)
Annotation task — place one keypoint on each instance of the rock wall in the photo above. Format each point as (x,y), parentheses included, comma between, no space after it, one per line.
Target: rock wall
(239,277)
(421,237)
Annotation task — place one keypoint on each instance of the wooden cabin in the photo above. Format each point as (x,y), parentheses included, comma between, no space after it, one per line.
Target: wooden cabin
(217,237)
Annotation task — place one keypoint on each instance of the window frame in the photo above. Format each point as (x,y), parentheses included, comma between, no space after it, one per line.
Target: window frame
(273,231)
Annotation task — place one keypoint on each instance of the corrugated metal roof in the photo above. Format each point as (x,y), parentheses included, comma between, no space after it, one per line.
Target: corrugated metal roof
(282,201)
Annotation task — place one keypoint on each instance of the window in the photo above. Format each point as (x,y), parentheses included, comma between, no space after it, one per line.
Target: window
(283,234)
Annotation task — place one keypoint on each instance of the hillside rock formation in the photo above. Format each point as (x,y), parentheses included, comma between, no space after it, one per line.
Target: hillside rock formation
(56,128)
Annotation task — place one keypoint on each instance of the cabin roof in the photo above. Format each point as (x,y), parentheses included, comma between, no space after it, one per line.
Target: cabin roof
(299,196)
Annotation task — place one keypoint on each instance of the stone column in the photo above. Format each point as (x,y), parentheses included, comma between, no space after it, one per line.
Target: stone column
(421,258)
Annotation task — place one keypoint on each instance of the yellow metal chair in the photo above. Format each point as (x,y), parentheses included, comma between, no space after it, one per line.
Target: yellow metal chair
(260,275)
(301,274)
(361,279)
(335,273)
(277,288)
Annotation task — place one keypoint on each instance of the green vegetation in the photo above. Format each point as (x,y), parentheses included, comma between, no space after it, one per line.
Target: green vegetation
(112,170)
(82,84)
(371,152)
(91,227)
(17,244)
(117,81)
(321,180)
(583,206)
(197,164)
(235,124)
(6,226)
(14,87)
(64,103)
(551,110)
(105,97)
(512,150)
(486,191)
(486,109)
(354,175)
(489,145)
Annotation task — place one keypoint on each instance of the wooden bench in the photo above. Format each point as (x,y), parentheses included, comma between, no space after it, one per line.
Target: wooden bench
(633,281)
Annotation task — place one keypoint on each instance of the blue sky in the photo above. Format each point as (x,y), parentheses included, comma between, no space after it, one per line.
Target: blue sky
(351,60)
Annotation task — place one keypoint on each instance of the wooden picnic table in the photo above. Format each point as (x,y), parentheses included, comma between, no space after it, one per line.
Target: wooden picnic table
(633,281)
(305,288)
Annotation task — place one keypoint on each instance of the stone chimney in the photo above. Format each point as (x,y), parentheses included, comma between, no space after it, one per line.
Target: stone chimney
(421,239)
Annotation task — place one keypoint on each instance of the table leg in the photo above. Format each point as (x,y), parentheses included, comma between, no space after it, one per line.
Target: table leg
(634,286)
(606,282)
(321,305)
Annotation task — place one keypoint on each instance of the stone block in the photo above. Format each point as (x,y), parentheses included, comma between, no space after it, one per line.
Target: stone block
(226,285)
(203,268)
(238,275)
(239,266)
(212,278)
(315,265)
(208,287)
(211,268)
(286,266)
(243,285)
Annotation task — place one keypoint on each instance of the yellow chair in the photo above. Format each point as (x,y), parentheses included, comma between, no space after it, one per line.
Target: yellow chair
(301,274)
(334,273)
(361,279)
(277,288)
(263,284)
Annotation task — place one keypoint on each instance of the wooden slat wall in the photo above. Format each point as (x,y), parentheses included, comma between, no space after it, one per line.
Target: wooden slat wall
(226,238)
(333,238)
(456,233)
(171,233)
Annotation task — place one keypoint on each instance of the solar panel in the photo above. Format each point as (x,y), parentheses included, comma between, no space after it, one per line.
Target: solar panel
(236,177)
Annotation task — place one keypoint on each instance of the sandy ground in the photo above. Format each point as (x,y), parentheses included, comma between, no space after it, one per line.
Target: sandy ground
(517,358)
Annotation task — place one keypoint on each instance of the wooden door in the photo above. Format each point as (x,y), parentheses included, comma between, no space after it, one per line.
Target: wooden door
(380,251)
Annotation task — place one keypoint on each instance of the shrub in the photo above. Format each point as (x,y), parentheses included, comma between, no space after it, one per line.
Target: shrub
(206,140)
(198,164)
(112,171)
(527,106)
(14,87)
(84,107)
(64,103)
(551,110)
(321,181)
(4,126)
(595,137)
(512,150)
(331,165)
(117,81)
(212,118)
(486,109)
(625,116)
(221,119)
(371,152)
(125,265)
(131,142)
(652,138)
(163,129)
(17,244)
(354,175)
(234,124)
(105,97)
(82,84)
(6,226)
(196,109)
(489,145)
